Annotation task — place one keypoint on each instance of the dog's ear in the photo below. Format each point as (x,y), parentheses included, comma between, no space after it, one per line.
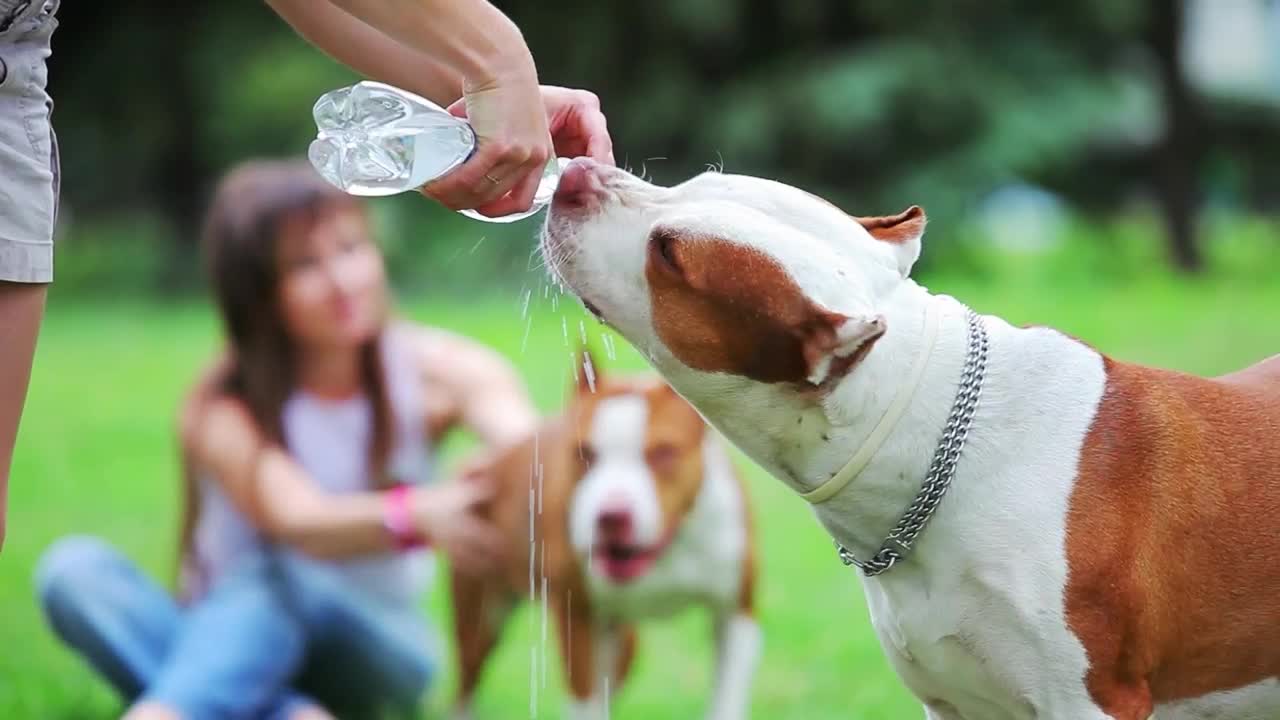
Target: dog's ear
(903,231)
(833,343)
(586,372)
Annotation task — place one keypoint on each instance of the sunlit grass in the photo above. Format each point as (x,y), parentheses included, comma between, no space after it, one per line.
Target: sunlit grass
(96,456)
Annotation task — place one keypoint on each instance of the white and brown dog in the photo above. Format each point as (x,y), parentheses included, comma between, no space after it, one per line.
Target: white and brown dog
(1109,544)
(626,507)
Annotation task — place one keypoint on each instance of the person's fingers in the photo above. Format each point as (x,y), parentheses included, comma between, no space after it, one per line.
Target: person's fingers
(477,548)
(520,198)
(578,126)
(600,148)
(486,543)
(491,173)
(592,126)
(474,472)
(478,489)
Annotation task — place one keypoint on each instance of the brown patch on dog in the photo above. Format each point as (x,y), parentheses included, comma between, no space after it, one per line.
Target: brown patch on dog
(1173,537)
(722,307)
(747,587)
(903,227)
(673,451)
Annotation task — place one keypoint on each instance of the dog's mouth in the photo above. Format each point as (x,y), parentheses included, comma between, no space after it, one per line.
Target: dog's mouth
(595,311)
(622,562)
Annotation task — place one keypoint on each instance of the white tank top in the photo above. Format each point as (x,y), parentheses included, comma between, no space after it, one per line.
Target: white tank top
(330,440)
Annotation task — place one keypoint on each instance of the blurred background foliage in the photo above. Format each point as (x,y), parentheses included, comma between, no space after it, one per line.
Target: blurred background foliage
(1149,123)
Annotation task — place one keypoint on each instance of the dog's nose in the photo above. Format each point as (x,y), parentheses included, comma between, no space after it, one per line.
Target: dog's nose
(614,521)
(580,187)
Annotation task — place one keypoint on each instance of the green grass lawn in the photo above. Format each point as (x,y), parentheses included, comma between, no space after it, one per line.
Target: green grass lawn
(95,455)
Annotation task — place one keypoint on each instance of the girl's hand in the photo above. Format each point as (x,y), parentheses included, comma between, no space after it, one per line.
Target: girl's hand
(447,513)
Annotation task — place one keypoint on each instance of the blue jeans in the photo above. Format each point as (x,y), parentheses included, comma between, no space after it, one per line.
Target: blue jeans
(275,633)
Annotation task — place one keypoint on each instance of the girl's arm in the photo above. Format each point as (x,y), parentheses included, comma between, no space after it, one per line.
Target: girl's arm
(271,489)
(467,384)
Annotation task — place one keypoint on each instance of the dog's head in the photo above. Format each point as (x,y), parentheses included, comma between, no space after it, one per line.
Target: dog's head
(728,275)
(637,459)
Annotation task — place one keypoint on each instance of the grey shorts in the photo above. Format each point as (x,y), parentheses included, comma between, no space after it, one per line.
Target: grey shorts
(29,166)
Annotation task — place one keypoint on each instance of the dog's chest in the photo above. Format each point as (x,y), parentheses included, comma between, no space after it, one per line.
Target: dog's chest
(982,634)
(956,656)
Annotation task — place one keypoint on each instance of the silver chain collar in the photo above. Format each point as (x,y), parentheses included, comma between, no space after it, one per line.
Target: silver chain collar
(943,468)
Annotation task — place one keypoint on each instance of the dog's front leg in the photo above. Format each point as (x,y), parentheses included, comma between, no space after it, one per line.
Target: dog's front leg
(590,654)
(593,704)
(737,653)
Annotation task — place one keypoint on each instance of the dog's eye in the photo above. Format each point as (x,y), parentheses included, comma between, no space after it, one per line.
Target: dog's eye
(662,456)
(663,245)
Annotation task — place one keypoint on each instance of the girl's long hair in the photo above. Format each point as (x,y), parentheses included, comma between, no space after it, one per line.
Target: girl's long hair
(249,214)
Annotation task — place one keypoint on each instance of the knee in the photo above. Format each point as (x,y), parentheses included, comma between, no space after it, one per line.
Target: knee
(69,569)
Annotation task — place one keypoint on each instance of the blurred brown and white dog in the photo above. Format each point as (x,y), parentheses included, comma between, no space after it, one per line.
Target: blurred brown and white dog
(630,508)
(1108,545)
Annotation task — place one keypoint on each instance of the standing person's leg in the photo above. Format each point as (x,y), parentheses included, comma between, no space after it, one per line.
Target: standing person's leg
(21,307)
(28,206)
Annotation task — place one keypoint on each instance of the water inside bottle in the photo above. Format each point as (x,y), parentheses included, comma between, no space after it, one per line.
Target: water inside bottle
(377,140)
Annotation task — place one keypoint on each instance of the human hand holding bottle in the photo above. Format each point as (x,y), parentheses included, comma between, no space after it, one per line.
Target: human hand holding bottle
(518,132)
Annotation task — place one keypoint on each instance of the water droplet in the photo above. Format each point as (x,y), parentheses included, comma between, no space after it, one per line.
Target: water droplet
(533,681)
(524,342)
(564,326)
(590,372)
(544,615)
(582,331)
(532,548)
(538,470)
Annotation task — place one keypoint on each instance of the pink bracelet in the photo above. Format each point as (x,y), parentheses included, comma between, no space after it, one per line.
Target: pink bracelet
(398,519)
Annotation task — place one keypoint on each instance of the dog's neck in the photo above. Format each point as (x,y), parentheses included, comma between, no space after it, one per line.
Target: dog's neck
(804,439)
(861,513)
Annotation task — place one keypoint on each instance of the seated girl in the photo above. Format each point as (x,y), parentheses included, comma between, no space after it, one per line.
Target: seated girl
(310,513)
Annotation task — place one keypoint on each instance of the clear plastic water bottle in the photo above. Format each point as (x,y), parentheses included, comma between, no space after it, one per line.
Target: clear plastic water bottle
(374,139)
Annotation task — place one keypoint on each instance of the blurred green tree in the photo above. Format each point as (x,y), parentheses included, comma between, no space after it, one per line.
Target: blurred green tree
(874,104)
